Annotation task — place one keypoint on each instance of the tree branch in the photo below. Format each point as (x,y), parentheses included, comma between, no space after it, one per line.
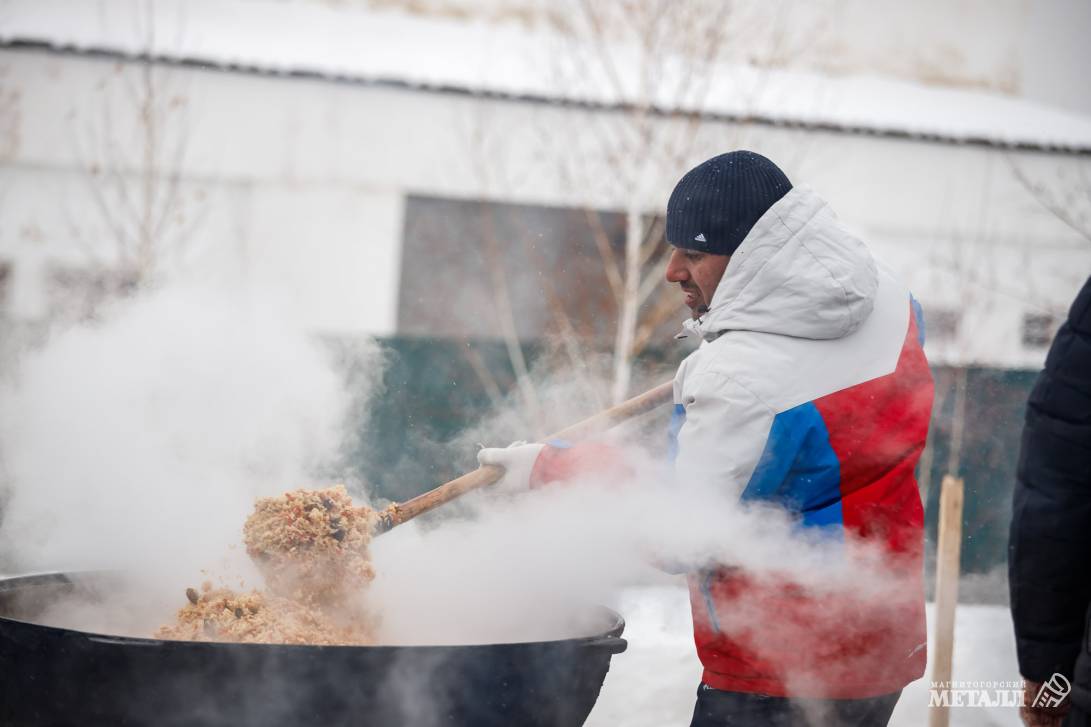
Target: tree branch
(1042,196)
(502,298)
(665,308)
(651,282)
(606,252)
(488,381)
(652,239)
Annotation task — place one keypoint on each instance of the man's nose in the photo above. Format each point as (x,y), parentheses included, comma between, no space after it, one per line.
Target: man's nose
(676,270)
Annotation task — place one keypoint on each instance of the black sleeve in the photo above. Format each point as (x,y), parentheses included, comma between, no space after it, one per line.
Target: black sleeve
(1049,553)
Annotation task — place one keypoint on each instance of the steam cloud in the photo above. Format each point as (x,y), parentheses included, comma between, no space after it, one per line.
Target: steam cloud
(140,443)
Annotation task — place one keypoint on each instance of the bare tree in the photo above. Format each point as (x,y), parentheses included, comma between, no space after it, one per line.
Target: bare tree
(654,57)
(133,151)
(9,144)
(657,61)
(10,98)
(1067,196)
(970,268)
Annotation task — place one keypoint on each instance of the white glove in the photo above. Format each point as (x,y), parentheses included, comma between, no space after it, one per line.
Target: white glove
(517,459)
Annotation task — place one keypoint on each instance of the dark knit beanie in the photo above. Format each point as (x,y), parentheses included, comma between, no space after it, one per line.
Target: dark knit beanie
(716,203)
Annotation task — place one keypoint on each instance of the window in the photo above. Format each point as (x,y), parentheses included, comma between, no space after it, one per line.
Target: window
(473,268)
(7,282)
(1039,328)
(941,325)
(78,292)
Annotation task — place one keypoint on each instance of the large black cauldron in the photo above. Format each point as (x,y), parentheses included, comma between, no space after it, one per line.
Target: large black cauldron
(57,676)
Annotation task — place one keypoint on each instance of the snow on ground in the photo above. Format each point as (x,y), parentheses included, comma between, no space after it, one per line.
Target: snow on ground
(654,683)
(391,47)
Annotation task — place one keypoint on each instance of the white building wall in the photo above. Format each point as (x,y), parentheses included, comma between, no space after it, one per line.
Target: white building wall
(296,189)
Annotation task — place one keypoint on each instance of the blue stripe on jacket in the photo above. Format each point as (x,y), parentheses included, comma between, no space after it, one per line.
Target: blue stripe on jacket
(678,418)
(918,314)
(798,469)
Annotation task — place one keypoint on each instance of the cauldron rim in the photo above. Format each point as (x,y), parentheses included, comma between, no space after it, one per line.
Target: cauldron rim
(11,583)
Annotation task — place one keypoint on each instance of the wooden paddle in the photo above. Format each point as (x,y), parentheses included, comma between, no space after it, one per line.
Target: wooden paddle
(489,474)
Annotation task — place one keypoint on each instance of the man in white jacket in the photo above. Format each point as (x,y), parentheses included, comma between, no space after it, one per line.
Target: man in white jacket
(809,390)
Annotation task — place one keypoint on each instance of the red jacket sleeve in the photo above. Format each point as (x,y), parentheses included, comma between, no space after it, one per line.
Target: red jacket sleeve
(559,462)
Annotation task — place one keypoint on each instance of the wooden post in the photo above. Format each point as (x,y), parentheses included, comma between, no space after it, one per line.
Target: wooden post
(948,549)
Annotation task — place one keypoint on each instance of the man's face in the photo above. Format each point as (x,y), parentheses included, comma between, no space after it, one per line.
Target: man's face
(698,273)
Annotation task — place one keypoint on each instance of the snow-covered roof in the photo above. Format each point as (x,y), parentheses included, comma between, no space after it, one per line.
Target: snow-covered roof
(507,60)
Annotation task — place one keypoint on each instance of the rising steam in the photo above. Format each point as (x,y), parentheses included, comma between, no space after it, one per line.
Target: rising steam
(140,443)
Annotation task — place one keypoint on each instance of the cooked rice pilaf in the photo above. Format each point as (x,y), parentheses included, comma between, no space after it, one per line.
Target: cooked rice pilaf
(312,548)
(311,545)
(226,616)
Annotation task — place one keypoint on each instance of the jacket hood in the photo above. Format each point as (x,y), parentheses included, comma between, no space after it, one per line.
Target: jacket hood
(798,273)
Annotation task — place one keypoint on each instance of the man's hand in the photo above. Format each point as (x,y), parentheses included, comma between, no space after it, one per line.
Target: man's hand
(1041,716)
(517,459)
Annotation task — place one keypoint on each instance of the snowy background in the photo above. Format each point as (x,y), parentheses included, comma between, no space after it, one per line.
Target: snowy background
(310,160)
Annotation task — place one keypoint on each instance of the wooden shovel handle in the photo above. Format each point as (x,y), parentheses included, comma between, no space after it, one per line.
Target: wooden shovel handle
(489,474)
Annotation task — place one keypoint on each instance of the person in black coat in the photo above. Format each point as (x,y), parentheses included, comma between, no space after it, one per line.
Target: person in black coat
(1049,553)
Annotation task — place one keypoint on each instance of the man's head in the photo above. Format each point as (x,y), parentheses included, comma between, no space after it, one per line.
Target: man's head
(710,212)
